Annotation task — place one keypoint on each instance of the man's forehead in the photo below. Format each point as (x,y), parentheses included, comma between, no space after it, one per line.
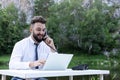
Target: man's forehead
(40,25)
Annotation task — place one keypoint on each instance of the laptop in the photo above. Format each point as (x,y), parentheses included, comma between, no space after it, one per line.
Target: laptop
(57,61)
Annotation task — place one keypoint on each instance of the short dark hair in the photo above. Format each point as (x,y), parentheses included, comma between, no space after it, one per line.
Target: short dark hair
(36,19)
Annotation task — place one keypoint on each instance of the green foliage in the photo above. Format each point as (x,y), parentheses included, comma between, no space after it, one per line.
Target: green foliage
(10,29)
(76,26)
(41,7)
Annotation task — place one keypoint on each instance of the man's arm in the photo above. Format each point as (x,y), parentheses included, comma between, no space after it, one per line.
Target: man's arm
(37,63)
(50,43)
(16,56)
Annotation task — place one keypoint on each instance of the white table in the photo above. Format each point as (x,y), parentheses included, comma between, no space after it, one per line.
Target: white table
(27,74)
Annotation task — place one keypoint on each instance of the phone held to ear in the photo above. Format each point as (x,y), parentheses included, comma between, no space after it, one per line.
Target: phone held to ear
(44,39)
(45,36)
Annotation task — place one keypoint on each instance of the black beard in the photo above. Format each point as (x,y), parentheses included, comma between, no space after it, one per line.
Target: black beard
(36,38)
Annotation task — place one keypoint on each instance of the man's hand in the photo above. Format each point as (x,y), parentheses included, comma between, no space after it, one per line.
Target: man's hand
(37,63)
(50,43)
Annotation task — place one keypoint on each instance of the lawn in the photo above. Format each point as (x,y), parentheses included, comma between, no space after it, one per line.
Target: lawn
(94,61)
(4,60)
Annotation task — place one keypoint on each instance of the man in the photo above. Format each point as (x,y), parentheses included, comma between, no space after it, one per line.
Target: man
(38,44)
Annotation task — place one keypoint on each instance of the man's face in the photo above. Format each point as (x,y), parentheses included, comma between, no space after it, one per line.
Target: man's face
(38,31)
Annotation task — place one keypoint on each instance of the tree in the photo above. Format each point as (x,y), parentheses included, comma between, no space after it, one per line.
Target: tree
(41,7)
(87,28)
(11,29)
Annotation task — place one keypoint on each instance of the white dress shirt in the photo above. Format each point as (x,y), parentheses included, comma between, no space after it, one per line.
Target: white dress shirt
(24,52)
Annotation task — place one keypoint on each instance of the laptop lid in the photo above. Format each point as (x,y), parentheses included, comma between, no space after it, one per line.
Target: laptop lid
(57,61)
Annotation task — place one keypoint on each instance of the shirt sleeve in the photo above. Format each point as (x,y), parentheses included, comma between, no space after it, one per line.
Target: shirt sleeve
(16,57)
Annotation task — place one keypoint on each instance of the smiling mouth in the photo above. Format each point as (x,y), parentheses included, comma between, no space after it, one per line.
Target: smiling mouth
(40,36)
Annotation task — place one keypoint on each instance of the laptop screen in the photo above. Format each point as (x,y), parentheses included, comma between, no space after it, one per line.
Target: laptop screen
(57,61)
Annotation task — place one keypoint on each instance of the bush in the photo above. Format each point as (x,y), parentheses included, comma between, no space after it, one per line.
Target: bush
(41,7)
(89,28)
(11,29)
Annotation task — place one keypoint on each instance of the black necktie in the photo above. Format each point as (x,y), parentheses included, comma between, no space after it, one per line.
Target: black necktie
(36,53)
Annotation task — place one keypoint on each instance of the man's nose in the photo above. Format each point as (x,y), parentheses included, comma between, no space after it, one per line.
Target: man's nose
(41,32)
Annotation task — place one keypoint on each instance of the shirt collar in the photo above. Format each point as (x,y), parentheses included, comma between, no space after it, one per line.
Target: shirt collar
(30,37)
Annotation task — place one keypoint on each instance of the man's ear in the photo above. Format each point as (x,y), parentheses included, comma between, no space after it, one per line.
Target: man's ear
(31,29)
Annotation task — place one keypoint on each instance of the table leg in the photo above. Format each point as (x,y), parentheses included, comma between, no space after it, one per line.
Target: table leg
(3,77)
(70,77)
(101,77)
(56,78)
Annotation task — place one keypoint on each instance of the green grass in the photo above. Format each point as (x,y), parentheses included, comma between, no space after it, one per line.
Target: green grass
(92,60)
(4,60)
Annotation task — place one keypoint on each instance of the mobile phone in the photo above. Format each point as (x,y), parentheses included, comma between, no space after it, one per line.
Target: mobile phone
(44,37)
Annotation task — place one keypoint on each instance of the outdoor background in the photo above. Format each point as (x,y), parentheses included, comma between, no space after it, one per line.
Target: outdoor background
(89,29)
